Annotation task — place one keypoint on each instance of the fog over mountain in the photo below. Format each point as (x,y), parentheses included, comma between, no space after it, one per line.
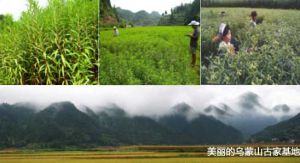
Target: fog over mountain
(144,115)
(154,100)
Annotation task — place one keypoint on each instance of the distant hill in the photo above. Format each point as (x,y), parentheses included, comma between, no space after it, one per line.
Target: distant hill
(14,121)
(195,128)
(108,16)
(249,115)
(62,125)
(182,15)
(140,18)
(137,130)
(286,131)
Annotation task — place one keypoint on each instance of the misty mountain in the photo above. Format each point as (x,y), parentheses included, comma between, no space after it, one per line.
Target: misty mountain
(135,130)
(176,128)
(220,112)
(287,131)
(250,116)
(199,128)
(140,18)
(14,120)
(62,125)
(281,108)
(251,102)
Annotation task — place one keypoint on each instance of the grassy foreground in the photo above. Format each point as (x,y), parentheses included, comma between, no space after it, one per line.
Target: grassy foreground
(147,55)
(133,154)
(172,160)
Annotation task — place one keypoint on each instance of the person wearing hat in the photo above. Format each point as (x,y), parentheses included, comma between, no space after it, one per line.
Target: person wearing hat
(194,40)
(116,31)
(253,16)
(227,45)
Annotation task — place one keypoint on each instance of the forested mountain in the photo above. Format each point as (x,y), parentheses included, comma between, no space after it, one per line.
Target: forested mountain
(287,131)
(140,18)
(14,121)
(108,15)
(286,4)
(182,14)
(194,128)
(62,125)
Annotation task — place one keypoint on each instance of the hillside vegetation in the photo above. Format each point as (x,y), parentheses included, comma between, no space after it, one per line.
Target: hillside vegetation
(108,15)
(285,131)
(140,18)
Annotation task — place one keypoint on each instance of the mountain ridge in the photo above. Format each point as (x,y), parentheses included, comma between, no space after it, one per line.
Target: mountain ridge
(62,124)
(287,131)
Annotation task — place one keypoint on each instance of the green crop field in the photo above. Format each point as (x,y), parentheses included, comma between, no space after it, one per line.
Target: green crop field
(135,154)
(159,160)
(147,55)
(131,157)
(56,44)
(274,57)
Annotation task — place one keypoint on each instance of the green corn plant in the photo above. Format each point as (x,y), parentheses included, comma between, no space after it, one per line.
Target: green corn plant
(54,45)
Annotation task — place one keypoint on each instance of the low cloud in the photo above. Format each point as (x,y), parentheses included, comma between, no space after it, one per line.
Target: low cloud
(153,100)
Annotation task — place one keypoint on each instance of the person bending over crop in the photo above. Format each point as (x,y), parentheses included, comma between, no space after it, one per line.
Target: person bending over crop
(227,44)
(253,21)
(116,31)
(194,40)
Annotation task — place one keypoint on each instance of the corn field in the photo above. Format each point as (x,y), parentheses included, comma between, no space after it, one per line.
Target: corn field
(55,45)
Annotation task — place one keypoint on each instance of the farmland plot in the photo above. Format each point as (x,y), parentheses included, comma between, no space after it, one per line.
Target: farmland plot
(147,55)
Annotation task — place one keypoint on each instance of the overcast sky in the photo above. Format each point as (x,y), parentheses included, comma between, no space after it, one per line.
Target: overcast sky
(149,5)
(149,99)
(16,7)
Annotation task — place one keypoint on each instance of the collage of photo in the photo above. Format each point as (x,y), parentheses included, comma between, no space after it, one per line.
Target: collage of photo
(140,81)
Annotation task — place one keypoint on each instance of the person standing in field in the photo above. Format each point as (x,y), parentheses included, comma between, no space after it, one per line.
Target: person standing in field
(253,21)
(116,32)
(194,40)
